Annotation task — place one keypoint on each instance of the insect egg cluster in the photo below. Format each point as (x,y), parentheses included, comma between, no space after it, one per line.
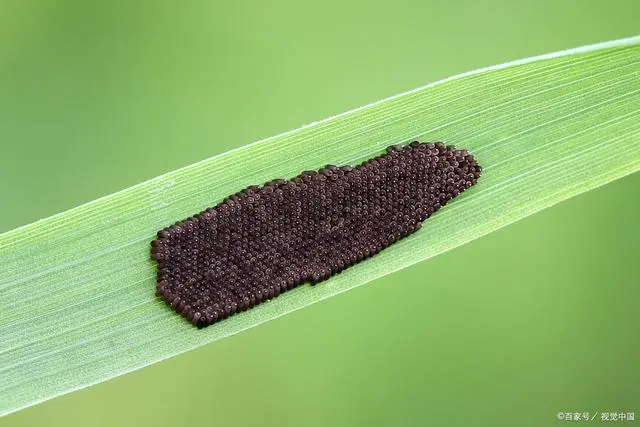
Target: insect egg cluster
(267,239)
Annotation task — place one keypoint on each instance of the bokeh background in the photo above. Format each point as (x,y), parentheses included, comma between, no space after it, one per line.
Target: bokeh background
(537,318)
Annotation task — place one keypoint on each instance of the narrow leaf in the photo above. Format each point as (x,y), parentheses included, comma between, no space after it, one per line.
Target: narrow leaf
(78,288)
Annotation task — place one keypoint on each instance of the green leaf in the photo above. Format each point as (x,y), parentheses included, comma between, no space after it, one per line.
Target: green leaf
(78,288)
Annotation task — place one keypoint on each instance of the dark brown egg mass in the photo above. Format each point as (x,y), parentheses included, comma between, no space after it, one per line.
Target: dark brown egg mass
(267,239)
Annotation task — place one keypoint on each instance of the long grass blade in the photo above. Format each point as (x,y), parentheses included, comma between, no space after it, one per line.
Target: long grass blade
(77,289)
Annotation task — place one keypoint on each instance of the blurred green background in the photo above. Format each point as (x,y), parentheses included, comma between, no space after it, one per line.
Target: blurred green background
(537,318)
